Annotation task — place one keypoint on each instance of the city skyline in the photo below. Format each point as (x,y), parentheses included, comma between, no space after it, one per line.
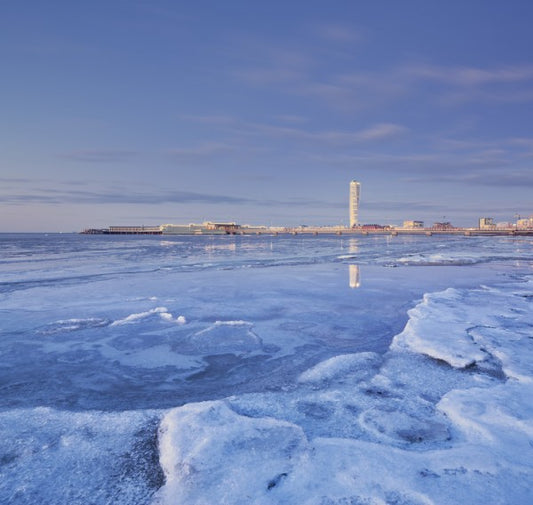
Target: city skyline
(134,112)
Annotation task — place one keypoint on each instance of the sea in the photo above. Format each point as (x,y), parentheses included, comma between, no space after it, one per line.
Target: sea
(312,370)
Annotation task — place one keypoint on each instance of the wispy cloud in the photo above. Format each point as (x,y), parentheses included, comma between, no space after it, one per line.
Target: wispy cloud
(120,197)
(381,131)
(472,76)
(373,133)
(209,119)
(100,156)
(16,180)
(292,119)
(289,127)
(59,196)
(304,73)
(484,177)
(207,149)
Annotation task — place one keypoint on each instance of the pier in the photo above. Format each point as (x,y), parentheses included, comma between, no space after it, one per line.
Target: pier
(318,230)
(428,232)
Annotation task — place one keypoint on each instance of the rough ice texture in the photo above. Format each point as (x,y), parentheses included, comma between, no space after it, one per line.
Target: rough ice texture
(226,337)
(208,452)
(361,364)
(162,311)
(449,326)
(50,456)
(404,430)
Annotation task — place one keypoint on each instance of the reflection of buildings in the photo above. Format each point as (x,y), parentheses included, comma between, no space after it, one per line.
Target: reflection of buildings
(355,190)
(355,278)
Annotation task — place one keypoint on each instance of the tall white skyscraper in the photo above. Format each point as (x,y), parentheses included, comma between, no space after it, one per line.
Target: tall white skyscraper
(355,190)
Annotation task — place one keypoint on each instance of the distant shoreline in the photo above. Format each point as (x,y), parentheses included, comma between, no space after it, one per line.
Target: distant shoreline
(327,231)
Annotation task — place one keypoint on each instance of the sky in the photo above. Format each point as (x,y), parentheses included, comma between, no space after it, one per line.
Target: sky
(130,112)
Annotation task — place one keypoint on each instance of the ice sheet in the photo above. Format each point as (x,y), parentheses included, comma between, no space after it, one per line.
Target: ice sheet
(55,457)
(281,344)
(444,417)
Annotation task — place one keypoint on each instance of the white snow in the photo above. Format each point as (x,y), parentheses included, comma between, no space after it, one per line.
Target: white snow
(208,452)
(362,363)
(404,429)
(162,311)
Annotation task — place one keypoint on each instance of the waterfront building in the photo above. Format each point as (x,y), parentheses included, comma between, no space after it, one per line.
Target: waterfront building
(486,223)
(207,228)
(504,225)
(355,191)
(411,225)
(443,226)
(525,223)
(135,230)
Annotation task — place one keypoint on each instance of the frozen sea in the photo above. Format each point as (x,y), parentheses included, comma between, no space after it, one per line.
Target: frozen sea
(266,370)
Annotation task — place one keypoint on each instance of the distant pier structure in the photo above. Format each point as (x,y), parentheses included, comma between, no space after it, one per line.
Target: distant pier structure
(355,191)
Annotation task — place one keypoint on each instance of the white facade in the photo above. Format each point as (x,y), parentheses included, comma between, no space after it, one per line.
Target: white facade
(355,191)
(525,223)
(486,223)
(413,224)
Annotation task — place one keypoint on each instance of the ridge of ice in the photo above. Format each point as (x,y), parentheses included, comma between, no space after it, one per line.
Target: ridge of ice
(226,337)
(162,311)
(410,431)
(206,449)
(340,365)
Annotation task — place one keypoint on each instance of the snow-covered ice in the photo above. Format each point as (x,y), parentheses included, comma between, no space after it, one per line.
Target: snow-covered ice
(387,430)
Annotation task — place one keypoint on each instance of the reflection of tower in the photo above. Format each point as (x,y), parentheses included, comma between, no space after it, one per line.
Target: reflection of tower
(355,190)
(355,280)
(353,246)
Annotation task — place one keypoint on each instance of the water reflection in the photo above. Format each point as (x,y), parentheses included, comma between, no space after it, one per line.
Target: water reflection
(217,247)
(355,276)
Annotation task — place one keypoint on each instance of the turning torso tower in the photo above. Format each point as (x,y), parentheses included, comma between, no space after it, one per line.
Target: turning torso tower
(355,190)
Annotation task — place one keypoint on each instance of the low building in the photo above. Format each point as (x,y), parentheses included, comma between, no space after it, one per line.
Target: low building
(135,230)
(182,229)
(443,226)
(412,225)
(525,223)
(486,223)
(374,227)
(225,227)
(206,228)
(504,225)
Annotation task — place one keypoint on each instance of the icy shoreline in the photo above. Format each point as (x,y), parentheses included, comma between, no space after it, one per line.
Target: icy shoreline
(444,417)
(289,343)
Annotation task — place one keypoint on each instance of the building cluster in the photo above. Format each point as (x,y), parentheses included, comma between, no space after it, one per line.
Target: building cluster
(205,228)
(486,225)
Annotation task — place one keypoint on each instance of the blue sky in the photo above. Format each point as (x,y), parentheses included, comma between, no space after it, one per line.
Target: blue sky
(148,112)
